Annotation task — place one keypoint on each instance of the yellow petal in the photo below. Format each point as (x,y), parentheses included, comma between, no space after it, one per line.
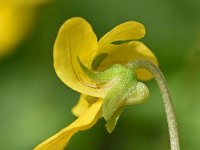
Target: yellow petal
(81,106)
(76,39)
(131,30)
(85,121)
(123,53)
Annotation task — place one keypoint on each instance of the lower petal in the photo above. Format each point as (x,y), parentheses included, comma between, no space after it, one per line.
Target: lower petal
(81,106)
(84,122)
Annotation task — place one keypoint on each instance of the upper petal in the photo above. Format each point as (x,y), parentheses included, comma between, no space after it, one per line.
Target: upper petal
(130,30)
(76,39)
(85,121)
(123,53)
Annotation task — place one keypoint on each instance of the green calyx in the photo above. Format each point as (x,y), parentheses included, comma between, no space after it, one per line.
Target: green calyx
(124,90)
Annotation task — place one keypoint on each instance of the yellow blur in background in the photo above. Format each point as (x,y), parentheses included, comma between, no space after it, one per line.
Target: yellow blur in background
(17,17)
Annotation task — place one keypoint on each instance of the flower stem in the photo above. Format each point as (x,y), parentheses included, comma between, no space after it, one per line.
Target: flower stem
(162,84)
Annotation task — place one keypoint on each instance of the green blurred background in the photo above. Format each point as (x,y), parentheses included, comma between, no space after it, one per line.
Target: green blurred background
(35,104)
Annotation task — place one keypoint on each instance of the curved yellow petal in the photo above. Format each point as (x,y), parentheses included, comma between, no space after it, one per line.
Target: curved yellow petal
(81,106)
(123,53)
(130,30)
(76,39)
(85,121)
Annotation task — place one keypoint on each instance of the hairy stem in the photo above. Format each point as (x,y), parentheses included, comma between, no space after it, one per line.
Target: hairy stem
(162,84)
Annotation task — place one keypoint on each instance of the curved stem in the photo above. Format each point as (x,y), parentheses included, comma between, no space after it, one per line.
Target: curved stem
(162,84)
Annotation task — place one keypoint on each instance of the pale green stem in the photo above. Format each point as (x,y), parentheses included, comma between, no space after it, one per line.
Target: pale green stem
(162,84)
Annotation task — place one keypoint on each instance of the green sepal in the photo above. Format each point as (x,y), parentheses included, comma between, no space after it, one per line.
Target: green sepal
(115,102)
(110,124)
(124,90)
(139,95)
(124,82)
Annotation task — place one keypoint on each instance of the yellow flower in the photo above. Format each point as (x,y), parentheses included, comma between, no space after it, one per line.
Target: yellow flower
(16,20)
(81,62)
